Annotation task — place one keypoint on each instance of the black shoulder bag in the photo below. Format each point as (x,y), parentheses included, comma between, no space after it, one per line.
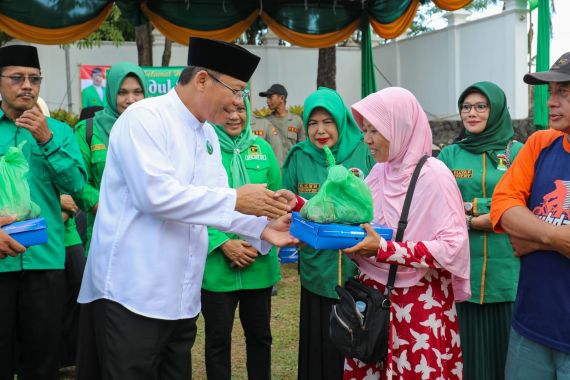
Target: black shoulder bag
(364,335)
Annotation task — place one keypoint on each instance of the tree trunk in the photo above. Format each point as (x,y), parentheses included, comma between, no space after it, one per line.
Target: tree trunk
(167,53)
(327,67)
(143,38)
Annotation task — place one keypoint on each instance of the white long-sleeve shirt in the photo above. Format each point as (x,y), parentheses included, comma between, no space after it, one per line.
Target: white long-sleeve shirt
(163,184)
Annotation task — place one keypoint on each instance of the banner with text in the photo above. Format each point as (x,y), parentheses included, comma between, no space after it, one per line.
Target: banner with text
(93,79)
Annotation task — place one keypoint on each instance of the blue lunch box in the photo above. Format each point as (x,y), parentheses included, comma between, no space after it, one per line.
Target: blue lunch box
(28,232)
(332,236)
(289,254)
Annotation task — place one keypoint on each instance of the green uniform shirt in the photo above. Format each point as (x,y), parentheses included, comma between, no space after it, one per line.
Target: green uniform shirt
(219,276)
(319,268)
(70,234)
(90,97)
(94,158)
(55,168)
(286,132)
(494,268)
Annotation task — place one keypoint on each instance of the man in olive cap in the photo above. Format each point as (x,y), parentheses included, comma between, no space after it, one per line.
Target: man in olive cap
(33,283)
(286,127)
(164,182)
(531,203)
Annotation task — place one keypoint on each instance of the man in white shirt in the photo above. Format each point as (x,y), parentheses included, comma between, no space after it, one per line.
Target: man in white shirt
(163,184)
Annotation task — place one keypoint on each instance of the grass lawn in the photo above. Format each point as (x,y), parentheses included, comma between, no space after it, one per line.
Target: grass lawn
(284,327)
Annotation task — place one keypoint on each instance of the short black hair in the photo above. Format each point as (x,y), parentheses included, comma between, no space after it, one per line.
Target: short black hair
(190,72)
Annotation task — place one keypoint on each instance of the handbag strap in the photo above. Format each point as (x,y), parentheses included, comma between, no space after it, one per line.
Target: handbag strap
(403,223)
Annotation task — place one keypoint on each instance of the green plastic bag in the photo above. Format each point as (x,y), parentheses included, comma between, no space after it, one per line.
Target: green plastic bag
(343,198)
(14,189)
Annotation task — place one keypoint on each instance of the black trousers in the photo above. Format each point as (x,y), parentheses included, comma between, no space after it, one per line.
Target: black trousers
(318,357)
(31,304)
(74,267)
(255,314)
(117,344)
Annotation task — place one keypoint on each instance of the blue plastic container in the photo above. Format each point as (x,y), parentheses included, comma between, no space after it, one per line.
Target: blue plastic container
(28,232)
(332,236)
(289,254)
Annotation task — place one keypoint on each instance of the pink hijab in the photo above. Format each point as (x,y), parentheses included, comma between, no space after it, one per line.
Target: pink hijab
(436,215)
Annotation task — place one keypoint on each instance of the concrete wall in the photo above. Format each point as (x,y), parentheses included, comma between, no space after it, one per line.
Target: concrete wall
(435,66)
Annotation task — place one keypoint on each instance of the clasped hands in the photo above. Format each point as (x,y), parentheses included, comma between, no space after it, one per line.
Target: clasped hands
(258,200)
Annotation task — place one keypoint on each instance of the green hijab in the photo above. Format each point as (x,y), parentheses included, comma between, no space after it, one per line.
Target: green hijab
(349,134)
(103,120)
(499,130)
(236,145)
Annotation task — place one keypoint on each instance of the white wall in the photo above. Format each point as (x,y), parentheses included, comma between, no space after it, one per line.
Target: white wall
(435,66)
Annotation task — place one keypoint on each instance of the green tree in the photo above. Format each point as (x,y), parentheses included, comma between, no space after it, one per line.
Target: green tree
(116,29)
(427,11)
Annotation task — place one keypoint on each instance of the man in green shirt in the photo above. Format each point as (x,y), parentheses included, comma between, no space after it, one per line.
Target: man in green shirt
(33,283)
(287,127)
(94,95)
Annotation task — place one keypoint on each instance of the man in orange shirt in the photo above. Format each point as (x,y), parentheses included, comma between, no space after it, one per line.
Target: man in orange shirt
(531,203)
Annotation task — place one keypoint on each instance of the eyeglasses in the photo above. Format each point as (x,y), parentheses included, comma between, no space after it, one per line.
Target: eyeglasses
(35,80)
(562,92)
(479,107)
(237,93)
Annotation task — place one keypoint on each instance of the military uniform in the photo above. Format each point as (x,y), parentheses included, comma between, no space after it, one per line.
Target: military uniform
(286,132)
(261,127)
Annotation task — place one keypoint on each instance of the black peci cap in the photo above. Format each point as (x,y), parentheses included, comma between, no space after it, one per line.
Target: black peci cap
(19,55)
(559,72)
(223,57)
(274,89)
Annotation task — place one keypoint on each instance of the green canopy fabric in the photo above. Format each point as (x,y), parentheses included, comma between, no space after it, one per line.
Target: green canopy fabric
(368,75)
(302,16)
(542,64)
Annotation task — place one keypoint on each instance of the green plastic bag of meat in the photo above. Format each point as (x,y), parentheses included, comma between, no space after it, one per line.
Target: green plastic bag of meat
(343,198)
(14,189)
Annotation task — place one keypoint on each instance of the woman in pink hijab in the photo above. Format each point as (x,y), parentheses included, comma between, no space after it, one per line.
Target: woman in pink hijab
(433,259)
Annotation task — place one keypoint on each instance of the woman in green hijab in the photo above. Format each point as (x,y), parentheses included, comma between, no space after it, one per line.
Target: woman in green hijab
(235,272)
(126,84)
(327,123)
(478,162)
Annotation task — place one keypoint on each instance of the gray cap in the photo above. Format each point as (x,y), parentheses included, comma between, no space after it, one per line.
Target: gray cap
(276,88)
(559,72)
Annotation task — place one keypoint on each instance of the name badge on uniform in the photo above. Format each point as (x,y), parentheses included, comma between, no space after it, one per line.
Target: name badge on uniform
(462,173)
(308,187)
(97,147)
(209,147)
